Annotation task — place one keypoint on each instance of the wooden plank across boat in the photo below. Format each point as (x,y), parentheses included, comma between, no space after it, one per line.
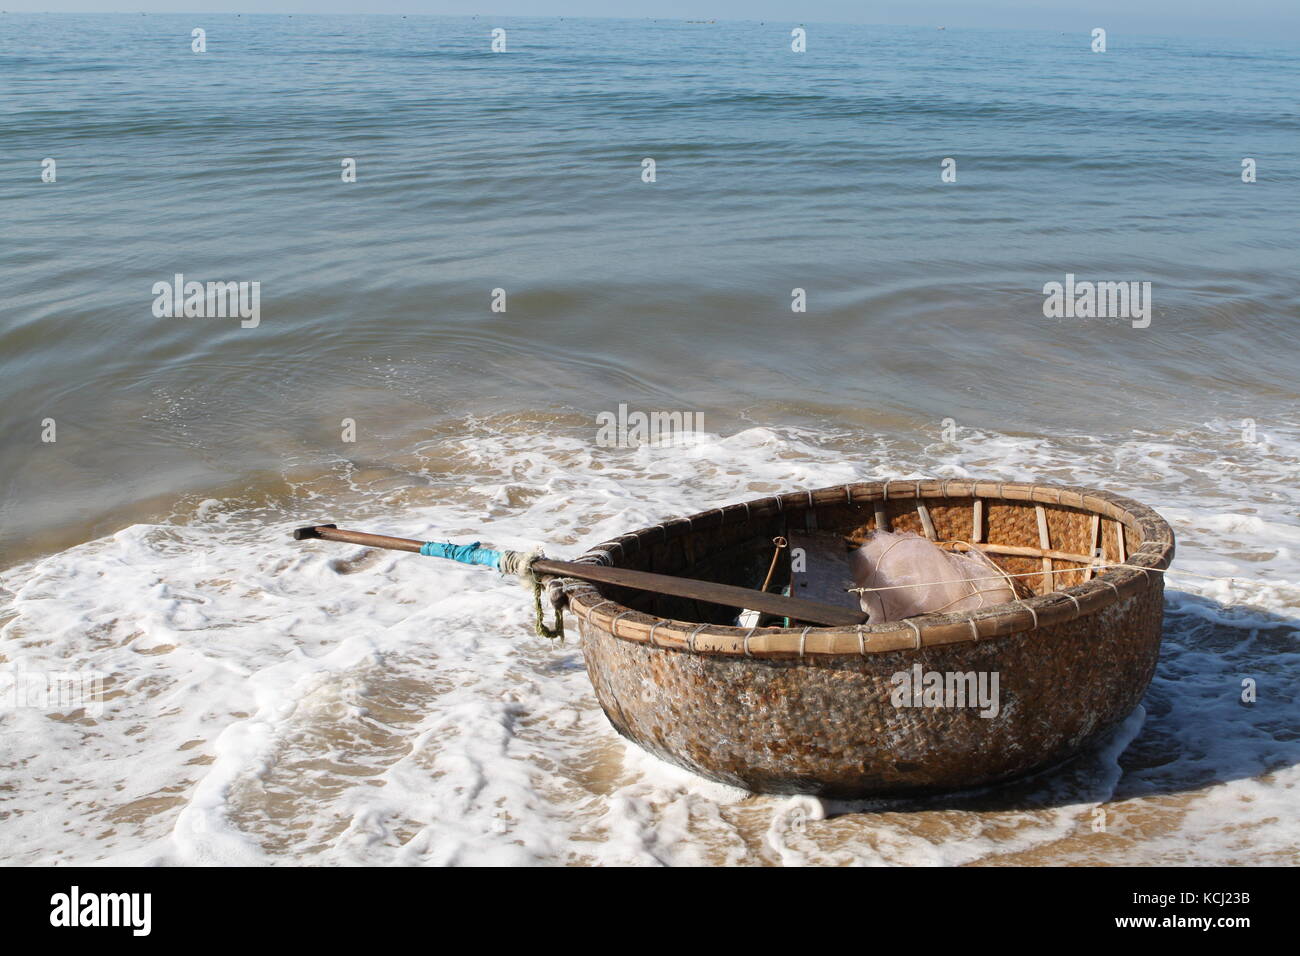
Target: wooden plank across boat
(815,709)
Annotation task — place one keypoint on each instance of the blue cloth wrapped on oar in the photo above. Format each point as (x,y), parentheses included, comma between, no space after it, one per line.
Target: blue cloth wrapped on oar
(464,553)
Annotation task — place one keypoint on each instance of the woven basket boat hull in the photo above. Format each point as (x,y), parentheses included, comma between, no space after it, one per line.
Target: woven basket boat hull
(815,710)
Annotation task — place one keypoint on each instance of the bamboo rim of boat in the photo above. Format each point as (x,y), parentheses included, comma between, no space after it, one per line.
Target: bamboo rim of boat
(1102,589)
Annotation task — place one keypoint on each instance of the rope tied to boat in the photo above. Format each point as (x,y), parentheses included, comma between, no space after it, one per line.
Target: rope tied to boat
(520,564)
(515,563)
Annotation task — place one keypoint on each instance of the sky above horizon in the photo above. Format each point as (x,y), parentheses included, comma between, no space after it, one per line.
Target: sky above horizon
(1275,20)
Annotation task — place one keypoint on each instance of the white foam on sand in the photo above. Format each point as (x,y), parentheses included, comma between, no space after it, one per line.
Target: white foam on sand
(269,701)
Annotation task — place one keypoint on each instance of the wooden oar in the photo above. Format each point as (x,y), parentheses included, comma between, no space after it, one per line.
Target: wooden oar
(726,595)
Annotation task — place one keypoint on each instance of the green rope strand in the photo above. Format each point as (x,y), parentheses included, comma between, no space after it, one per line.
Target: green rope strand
(551,634)
(521,563)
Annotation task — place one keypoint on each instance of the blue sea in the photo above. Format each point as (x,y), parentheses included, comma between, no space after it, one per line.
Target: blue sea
(839,265)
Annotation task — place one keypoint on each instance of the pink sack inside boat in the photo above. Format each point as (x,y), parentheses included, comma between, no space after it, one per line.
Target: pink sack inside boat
(923,578)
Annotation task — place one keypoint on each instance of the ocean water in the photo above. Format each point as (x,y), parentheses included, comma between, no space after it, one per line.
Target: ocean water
(267,701)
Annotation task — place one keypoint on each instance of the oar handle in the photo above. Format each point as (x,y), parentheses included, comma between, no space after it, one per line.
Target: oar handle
(332,532)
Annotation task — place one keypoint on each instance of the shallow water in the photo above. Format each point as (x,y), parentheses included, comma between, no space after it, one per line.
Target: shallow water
(269,702)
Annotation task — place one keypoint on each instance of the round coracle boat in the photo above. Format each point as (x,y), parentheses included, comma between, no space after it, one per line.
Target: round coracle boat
(935,702)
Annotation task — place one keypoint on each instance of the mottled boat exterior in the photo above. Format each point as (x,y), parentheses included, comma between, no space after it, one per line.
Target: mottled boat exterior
(814,709)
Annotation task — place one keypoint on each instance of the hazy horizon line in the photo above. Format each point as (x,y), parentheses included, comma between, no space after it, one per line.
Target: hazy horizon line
(1206,31)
